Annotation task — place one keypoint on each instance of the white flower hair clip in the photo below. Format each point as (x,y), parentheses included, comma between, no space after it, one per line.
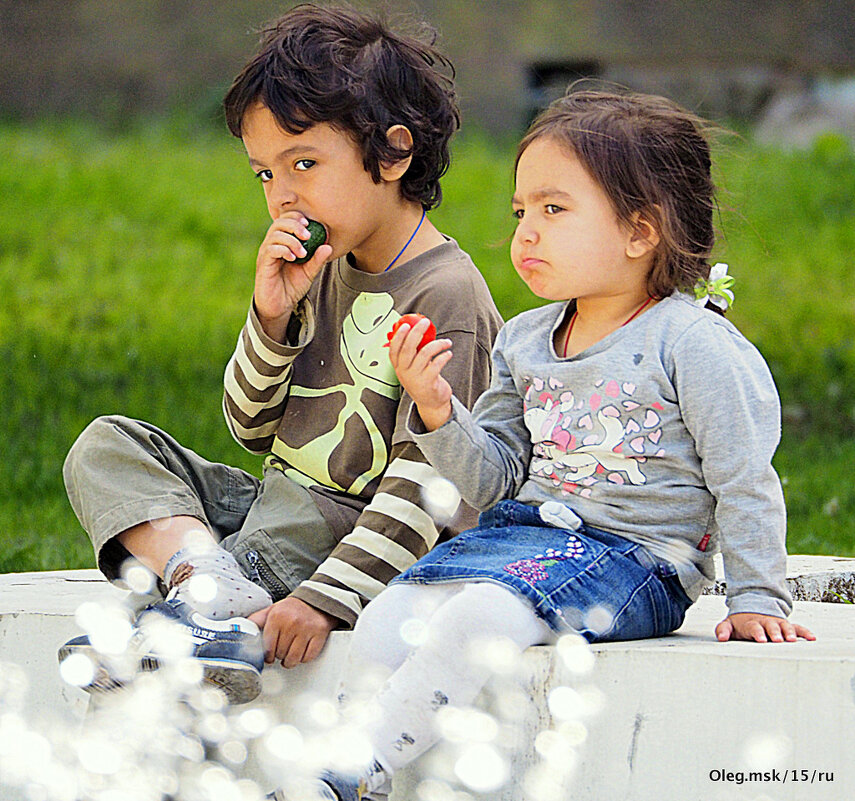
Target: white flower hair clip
(716,289)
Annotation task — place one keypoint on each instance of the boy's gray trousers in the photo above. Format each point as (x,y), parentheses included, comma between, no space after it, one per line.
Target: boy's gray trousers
(122,472)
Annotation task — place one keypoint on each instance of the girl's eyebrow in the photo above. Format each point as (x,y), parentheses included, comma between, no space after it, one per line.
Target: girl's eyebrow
(547,192)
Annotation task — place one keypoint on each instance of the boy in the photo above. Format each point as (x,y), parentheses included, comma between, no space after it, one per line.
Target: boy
(348,124)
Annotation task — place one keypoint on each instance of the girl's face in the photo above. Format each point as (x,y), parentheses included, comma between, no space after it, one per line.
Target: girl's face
(569,242)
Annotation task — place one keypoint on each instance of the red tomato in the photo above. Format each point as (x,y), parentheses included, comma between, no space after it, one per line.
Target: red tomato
(411,320)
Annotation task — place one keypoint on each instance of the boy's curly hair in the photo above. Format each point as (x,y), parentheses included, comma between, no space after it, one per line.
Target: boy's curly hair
(648,155)
(338,66)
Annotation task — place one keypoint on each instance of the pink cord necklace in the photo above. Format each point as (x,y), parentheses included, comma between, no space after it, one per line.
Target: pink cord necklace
(628,320)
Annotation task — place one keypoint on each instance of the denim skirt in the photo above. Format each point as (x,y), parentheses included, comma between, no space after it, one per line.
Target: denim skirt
(582,579)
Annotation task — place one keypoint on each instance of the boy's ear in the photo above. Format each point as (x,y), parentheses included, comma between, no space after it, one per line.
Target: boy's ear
(400,137)
(643,235)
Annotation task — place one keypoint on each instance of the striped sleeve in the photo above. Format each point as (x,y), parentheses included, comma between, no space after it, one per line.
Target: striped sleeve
(257,379)
(393,531)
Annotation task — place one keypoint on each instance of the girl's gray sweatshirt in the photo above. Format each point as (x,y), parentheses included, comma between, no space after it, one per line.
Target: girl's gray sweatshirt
(662,432)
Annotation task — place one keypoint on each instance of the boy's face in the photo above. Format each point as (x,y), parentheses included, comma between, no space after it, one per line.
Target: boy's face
(318,173)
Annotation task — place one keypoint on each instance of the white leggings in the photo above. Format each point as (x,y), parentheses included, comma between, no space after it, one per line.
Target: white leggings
(410,683)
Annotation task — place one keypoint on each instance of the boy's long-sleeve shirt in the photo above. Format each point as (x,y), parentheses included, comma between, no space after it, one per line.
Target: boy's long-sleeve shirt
(662,432)
(328,409)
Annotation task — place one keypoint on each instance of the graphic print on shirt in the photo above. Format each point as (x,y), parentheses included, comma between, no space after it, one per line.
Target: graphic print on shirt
(363,335)
(578,441)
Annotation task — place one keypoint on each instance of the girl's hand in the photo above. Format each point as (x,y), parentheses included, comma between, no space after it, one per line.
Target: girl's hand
(760,628)
(419,371)
(279,283)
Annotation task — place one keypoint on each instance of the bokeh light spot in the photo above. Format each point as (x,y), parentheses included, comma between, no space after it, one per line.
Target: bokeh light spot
(481,768)
(413,631)
(202,588)
(284,742)
(576,653)
(77,670)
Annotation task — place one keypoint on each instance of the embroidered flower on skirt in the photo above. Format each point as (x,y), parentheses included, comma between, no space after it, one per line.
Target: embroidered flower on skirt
(529,570)
(534,570)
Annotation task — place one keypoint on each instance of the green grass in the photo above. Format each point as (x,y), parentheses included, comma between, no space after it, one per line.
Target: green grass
(126,265)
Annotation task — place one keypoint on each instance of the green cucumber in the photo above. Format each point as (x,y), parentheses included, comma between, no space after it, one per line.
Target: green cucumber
(317,237)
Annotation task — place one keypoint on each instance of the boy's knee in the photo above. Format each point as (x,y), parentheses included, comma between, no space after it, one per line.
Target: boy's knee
(89,442)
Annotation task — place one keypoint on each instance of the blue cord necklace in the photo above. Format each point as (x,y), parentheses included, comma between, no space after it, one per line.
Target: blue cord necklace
(408,241)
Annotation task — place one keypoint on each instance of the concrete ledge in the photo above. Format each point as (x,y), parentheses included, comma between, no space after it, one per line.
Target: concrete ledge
(679,713)
(36,617)
(829,579)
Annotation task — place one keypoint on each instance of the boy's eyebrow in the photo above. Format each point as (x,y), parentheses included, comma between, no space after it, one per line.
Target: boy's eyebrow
(288,151)
(544,193)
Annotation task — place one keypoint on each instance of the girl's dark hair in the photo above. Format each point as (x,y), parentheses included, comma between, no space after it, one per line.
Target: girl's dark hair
(338,66)
(649,156)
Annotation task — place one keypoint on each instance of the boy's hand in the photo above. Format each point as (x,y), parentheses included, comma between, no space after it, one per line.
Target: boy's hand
(760,628)
(279,283)
(419,371)
(293,631)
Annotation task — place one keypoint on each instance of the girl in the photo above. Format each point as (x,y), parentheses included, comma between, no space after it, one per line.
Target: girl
(627,434)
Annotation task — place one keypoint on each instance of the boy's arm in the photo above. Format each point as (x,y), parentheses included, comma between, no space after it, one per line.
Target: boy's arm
(258,376)
(279,326)
(394,530)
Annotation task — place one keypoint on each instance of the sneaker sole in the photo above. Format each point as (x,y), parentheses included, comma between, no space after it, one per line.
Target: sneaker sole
(102,681)
(239,681)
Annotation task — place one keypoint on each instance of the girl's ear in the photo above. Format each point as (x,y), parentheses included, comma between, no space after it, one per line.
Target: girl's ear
(400,137)
(644,235)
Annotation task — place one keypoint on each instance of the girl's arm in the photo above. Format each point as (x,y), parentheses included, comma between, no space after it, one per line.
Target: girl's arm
(760,628)
(730,406)
(484,453)
(419,369)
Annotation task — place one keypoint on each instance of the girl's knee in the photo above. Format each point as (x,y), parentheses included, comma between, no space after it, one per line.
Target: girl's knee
(375,612)
(383,617)
(486,610)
